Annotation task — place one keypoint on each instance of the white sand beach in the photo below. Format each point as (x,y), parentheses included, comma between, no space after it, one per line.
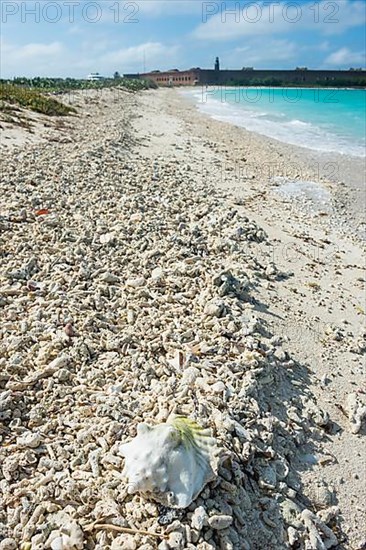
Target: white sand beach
(118,231)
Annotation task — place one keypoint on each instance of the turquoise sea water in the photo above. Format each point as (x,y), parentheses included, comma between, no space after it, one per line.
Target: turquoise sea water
(332,120)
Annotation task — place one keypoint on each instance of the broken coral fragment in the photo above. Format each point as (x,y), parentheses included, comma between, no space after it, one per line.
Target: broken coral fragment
(356,408)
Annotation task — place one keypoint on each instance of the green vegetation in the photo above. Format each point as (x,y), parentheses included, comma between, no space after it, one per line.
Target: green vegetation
(69,84)
(35,93)
(11,96)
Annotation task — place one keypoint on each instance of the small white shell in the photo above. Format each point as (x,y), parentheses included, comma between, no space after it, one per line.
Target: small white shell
(169,462)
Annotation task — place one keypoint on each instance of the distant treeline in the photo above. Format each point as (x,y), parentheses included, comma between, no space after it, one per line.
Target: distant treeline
(66,84)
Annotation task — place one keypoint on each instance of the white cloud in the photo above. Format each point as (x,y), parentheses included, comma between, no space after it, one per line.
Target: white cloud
(32,50)
(153,53)
(260,54)
(55,59)
(344,56)
(266,19)
(340,15)
(39,58)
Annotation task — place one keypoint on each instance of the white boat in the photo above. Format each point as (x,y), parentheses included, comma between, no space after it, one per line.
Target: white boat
(94,77)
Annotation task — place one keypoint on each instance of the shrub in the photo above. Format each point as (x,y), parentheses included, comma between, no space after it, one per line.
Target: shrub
(33,100)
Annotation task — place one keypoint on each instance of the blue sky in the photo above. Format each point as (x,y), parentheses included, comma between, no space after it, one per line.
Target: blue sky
(73,38)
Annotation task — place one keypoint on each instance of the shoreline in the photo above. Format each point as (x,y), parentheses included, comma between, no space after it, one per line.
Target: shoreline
(144,190)
(323,253)
(342,174)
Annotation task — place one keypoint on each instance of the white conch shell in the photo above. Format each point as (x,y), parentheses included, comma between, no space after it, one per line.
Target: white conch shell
(169,462)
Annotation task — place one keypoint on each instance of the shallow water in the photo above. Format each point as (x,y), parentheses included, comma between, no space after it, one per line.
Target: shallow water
(331,120)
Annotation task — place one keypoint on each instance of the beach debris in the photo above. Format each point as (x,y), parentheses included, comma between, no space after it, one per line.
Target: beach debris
(219,522)
(110,278)
(8,544)
(170,462)
(178,361)
(32,286)
(157,274)
(160,277)
(136,282)
(199,518)
(106,238)
(119,529)
(29,439)
(228,284)
(320,535)
(42,212)
(67,533)
(356,408)
(69,330)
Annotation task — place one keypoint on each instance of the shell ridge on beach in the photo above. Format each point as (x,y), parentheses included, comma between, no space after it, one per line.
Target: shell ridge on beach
(146,301)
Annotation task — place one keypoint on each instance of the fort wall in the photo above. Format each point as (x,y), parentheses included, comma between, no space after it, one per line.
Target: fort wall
(245,77)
